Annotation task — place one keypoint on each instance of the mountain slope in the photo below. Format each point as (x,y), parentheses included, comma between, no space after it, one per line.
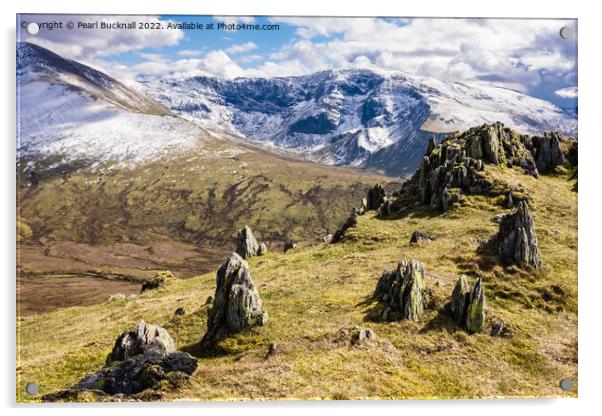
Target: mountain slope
(124,189)
(374,119)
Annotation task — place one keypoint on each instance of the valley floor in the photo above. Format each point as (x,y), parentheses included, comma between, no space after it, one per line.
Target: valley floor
(313,292)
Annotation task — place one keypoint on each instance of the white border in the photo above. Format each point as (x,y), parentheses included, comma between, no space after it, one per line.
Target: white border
(590,137)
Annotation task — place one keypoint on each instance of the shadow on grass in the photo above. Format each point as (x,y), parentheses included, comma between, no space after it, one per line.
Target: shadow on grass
(440,322)
(199,351)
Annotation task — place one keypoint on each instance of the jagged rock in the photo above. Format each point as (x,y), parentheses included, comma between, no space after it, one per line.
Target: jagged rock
(159,280)
(180,311)
(362,335)
(246,244)
(272,350)
(143,338)
(236,304)
(289,245)
(456,166)
(460,300)
(262,249)
(475,312)
(134,375)
(376,196)
(418,236)
(467,305)
(404,291)
(516,241)
(497,329)
(509,201)
(351,221)
(547,152)
(431,145)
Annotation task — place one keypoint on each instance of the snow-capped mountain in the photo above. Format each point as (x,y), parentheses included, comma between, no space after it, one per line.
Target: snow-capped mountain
(357,117)
(72,112)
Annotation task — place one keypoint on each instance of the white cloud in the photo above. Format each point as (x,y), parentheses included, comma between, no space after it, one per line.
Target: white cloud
(568,92)
(242,47)
(87,44)
(190,52)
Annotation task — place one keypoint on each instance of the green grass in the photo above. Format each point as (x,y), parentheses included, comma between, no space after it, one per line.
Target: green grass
(315,290)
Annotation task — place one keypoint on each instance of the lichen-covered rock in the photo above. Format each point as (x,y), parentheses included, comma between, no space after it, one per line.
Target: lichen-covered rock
(459,300)
(516,241)
(351,221)
(547,152)
(456,166)
(376,197)
(418,236)
(475,312)
(236,304)
(262,249)
(134,375)
(246,244)
(403,291)
(159,280)
(143,338)
(467,305)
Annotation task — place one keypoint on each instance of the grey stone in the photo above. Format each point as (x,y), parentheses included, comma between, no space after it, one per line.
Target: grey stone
(516,240)
(404,291)
(459,300)
(246,244)
(289,245)
(237,305)
(143,338)
(475,313)
(418,236)
(376,196)
(262,249)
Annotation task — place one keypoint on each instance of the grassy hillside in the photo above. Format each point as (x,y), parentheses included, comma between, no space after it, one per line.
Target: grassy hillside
(180,214)
(316,292)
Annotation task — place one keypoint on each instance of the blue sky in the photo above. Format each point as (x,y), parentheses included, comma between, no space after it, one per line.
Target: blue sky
(525,55)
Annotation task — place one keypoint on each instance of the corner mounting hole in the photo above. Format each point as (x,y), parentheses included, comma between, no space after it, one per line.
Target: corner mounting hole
(32,388)
(566,32)
(33,28)
(566,384)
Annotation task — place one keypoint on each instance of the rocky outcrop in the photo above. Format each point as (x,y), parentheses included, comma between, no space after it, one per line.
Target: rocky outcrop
(376,197)
(236,304)
(418,236)
(159,280)
(403,291)
(351,221)
(246,244)
(547,152)
(467,305)
(134,375)
(516,241)
(457,166)
(143,338)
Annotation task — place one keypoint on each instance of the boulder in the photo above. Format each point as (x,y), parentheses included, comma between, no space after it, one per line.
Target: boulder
(236,305)
(376,197)
(327,238)
(289,245)
(136,374)
(418,236)
(262,249)
(143,338)
(403,291)
(459,300)
(475,312)
(159,280)
(516,241)
(467,305)
(246,244)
